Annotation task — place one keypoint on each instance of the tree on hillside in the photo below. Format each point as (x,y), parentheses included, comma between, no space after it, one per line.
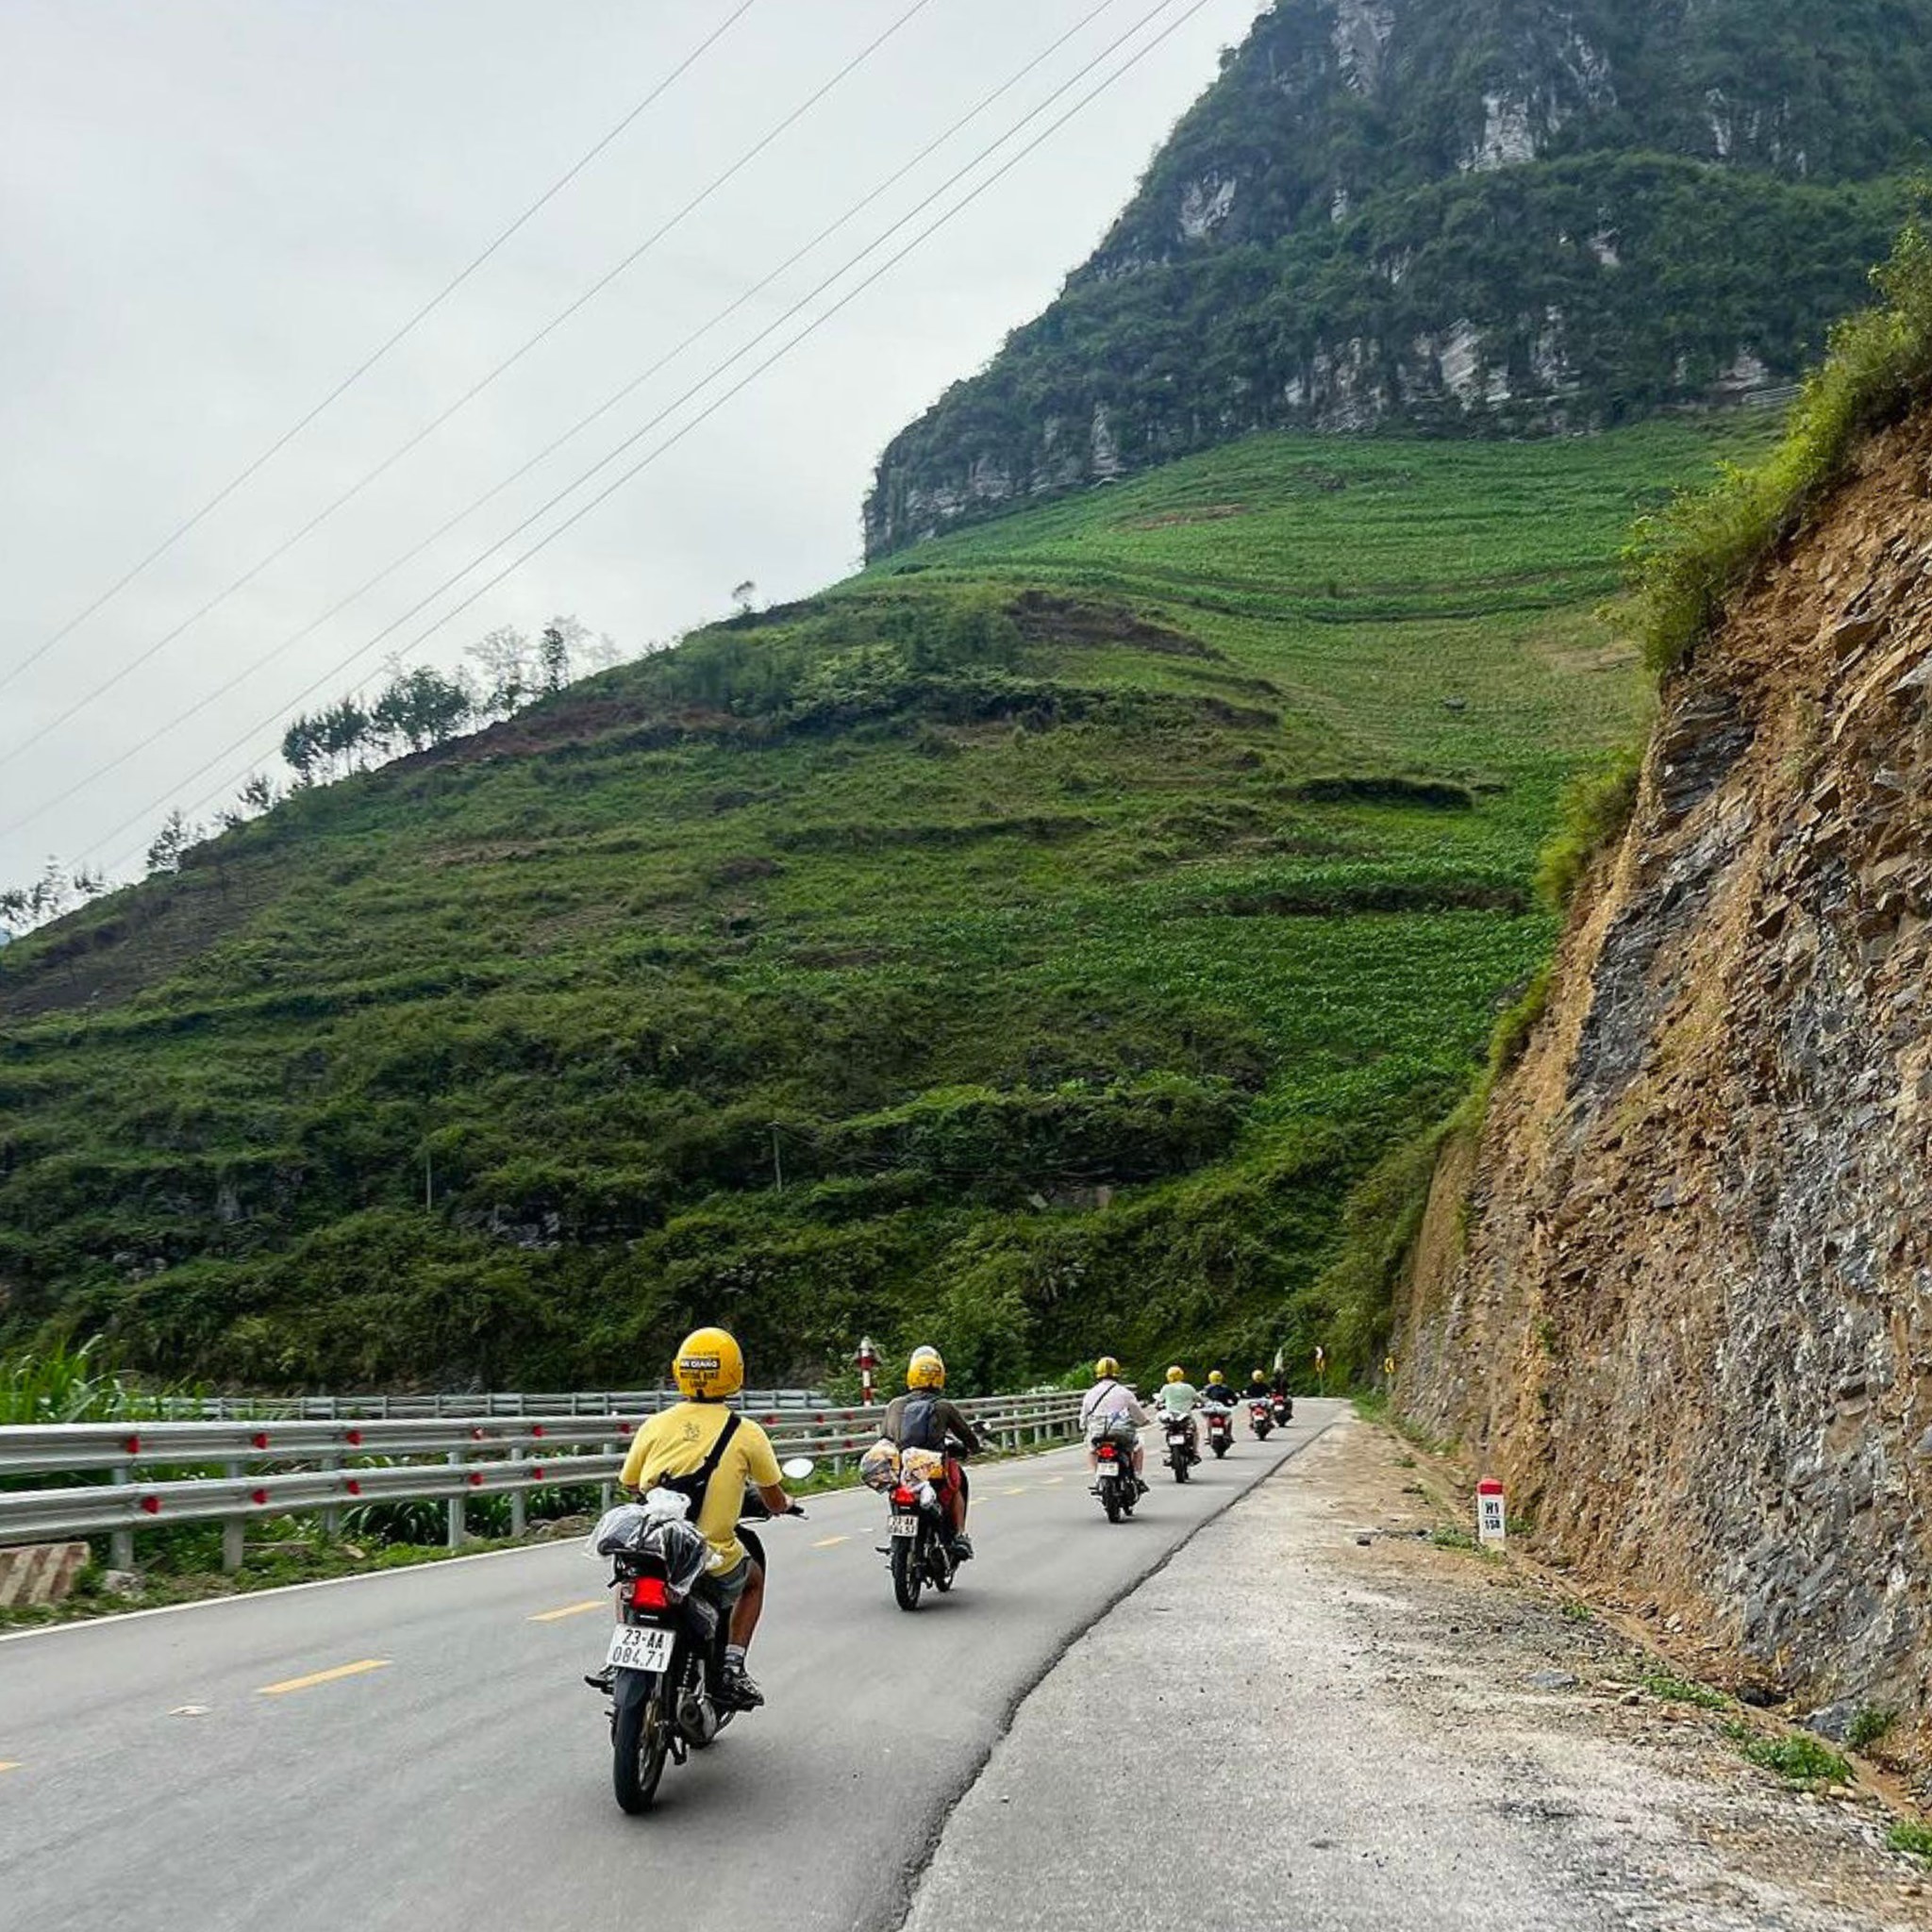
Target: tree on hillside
(49,895)
(177,835)
(256,796)
(422,708)
(301,750)
(563,639)
(741,594)
(504,654)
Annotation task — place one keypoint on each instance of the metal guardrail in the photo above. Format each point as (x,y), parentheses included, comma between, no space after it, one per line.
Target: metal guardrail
(635,1402)
(476,1457)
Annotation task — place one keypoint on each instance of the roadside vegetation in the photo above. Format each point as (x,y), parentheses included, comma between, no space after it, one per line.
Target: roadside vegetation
(1027,945)
(1691,558)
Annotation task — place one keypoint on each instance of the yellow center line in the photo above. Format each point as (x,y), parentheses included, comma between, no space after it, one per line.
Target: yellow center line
(1047,1482)
(830,1543)
(9,1764)
(594,1603)
(314,1677)
(1020,1491)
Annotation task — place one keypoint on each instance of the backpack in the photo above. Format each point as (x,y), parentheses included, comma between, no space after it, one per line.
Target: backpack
(919,1425)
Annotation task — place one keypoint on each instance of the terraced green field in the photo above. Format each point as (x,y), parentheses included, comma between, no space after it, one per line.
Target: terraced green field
(1069,913)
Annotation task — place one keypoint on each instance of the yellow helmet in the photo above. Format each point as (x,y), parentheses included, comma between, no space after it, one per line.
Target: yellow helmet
(926,1370)
(1215,1376)
(1176,1375)
(1106,1369)
(709,1366)
(1258,1380)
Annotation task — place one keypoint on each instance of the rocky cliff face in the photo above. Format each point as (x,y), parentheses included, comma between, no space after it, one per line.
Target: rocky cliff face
(1461,214)
(1681,1296)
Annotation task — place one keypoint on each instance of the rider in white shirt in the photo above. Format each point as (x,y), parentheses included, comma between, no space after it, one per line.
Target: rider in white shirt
(1110,1408)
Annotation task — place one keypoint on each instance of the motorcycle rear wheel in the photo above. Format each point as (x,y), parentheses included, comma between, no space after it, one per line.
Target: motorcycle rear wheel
(1220,1447)
(1111,1501)
(908,1577)
(639,1741)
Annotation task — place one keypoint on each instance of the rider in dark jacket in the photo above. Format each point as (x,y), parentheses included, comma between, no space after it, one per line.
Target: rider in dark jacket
(923,1419)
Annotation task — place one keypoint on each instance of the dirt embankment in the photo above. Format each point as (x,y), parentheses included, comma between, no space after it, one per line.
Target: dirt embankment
(1680,1297)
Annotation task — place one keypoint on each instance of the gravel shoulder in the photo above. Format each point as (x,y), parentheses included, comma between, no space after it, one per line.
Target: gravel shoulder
(1313,1715)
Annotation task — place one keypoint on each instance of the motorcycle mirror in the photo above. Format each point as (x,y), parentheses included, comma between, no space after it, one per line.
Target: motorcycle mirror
(797,1467)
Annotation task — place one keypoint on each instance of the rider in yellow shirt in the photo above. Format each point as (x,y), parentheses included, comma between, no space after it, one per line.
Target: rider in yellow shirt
(677,1442)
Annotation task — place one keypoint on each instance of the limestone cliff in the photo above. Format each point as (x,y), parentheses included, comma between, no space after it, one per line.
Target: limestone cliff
(1463,215)
(1680,1297)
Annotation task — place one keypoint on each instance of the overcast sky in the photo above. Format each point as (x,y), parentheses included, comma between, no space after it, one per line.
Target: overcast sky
(212,210)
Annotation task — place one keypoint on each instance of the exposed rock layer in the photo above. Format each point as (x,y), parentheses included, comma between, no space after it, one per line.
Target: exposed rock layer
(1683,1302)
(1474,215)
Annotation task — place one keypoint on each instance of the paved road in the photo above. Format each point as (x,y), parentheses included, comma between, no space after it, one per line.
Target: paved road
(416,1749)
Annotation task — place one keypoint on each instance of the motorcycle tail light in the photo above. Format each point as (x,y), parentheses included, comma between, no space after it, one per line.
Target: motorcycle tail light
(905,1498)
(650,1593)
(1107,1452)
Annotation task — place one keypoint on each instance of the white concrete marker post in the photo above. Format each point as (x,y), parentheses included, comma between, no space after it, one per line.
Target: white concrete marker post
(1490,1521)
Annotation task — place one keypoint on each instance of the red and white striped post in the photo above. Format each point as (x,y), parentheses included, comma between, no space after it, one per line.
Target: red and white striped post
(868,1359)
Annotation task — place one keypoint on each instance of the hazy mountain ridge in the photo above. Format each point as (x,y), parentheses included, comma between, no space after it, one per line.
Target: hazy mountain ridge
(1459,216)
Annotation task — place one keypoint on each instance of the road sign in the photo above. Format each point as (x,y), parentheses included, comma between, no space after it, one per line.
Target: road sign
(1491,1525)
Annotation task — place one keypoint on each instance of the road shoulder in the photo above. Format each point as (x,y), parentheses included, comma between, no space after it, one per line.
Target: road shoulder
(1314,1715)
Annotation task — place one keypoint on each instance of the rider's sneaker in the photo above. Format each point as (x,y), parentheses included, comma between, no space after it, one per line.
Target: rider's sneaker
(736,1691)
(1140,1485)
(962,1547)
(603,1680)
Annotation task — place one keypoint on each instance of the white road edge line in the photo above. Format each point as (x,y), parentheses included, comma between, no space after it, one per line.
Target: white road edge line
(250,1596)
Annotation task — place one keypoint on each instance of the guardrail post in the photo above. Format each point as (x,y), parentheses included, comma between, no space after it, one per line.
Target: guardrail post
(516,1498)
(121,1542)
(457,1526)
(234,1528)
(331,1515)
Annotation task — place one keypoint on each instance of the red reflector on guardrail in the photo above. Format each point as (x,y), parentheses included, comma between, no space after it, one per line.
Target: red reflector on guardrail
(475,1482)
(133,1446)
(536,1428)
(258,1496)
(354,1435)
(151,1506)
(259,1438)
(537,1475)
(354,1488)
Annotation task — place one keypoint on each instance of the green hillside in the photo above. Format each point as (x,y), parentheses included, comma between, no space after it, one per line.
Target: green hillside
(1071,913)
(1455,216)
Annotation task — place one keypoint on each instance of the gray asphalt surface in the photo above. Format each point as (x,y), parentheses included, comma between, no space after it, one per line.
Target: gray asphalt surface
(155,1782)
(1214,1748)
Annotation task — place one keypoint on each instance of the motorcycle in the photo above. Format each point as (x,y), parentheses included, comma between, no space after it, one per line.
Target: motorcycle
(1181,1453)
(1220,1429)
(1114,1481)
(666,1659)
(1260,1419)
(921,1551)
(1281,1410)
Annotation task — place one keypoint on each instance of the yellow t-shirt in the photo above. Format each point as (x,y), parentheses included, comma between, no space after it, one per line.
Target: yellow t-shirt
(676,1441)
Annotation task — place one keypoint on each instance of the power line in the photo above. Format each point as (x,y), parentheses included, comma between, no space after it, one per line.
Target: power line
(467,397)
(678,435)
(382,349)
(47,804)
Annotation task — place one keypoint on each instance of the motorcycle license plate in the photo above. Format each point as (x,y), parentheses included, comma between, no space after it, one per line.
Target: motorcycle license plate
(905,1525)
(640,1647)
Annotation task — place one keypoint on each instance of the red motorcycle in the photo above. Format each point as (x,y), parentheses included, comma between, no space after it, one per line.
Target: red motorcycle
(1220,1428)
(1260,1417)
